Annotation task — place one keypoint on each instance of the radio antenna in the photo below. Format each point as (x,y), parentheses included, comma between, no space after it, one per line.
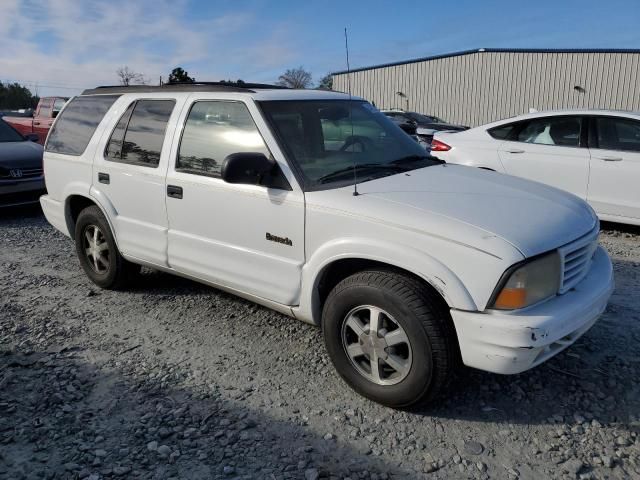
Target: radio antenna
(353,158)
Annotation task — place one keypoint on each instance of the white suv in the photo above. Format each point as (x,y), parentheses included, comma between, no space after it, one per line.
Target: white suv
(251,190)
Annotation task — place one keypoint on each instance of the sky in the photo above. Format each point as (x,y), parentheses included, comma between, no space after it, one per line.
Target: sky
(59,47)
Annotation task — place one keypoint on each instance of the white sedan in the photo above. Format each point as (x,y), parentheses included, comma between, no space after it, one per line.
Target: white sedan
(594,154)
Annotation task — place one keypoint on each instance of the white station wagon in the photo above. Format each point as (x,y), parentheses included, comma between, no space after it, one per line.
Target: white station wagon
(251,190)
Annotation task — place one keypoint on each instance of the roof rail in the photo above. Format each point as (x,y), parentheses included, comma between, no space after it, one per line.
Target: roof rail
(182,87)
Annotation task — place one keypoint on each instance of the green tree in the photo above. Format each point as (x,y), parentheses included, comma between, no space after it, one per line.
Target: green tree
(326,82)
(14,96)
(295,78)
(180,75)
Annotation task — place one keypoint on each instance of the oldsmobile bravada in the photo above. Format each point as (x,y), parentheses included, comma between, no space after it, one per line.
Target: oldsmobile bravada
(251,190)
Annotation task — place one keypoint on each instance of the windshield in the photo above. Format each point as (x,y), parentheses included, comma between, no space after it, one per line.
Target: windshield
(325,143)
(8,134)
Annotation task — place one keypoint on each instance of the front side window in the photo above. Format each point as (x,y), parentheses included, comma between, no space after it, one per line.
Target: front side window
(214,130)
(618,134)
(139,134)
(325,139)
(561,131)
(57,106)
(75,126)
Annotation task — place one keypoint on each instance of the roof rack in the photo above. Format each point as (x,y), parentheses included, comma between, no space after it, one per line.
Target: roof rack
(183,87)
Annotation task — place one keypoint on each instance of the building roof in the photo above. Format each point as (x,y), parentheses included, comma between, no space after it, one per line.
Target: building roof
(495,50)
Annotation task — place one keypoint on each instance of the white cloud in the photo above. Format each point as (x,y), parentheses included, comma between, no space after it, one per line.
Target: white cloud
(66,45)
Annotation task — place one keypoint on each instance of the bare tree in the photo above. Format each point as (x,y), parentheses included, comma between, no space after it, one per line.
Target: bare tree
(295,78)
(129,77)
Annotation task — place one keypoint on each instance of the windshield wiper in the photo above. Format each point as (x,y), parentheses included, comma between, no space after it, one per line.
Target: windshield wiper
(363,166)
(416,158)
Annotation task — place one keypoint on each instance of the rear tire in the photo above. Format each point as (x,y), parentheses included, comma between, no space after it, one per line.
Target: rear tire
(98,253)
(414,352)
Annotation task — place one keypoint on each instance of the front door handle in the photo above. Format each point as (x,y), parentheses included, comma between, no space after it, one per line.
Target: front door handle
(174,191)
(515,150)
(103,178)
(611,159)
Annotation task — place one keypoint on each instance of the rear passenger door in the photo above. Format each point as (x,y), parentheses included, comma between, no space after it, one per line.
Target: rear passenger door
(129,176)
(246,237)
(550,150)
(614,184)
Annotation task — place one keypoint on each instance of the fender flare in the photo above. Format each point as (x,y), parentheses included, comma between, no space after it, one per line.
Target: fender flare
(404,257)
(78,189)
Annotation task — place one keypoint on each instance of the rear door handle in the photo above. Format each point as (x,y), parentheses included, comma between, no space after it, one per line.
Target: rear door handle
(515,150)
(174,191)
(611,159)
(103,178)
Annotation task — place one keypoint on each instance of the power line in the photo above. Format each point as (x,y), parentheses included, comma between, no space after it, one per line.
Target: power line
(43,85)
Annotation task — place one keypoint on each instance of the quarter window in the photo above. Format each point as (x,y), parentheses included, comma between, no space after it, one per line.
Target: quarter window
(502,132)
(139,134)
(561,131)
(618,134)
(214,130)
(75,126)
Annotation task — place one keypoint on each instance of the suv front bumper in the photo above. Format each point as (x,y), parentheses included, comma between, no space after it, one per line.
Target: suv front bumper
(512,342)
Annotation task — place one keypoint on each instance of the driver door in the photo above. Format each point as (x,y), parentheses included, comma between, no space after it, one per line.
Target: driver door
(246,237)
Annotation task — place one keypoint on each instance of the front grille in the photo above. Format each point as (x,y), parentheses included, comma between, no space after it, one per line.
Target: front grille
(26,173)
(576,259)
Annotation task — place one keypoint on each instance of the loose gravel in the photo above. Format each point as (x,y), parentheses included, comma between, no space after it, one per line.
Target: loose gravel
(175,380)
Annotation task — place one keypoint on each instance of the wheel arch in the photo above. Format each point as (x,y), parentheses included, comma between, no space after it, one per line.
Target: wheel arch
(321,275)
(75,203)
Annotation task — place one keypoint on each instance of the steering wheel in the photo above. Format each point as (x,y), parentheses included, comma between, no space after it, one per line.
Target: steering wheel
(364,142)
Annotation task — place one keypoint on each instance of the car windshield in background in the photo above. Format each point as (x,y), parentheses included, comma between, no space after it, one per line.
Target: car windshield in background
(327,138)
(8,134)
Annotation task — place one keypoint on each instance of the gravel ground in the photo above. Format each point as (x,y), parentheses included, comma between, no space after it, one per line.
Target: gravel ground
(173,379)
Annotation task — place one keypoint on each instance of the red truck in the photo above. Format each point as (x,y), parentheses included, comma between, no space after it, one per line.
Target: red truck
(47,110)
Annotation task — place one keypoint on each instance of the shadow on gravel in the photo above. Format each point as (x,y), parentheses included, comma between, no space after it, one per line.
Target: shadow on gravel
(13,216)
(61,416)
(620,227)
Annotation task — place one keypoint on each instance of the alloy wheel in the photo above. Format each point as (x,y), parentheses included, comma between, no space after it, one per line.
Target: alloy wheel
(377,345)
(96,249)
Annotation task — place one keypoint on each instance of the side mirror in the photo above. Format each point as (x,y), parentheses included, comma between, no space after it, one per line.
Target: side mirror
(247,168)
(32,137)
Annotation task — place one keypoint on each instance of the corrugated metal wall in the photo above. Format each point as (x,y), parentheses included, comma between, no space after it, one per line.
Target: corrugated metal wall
(481,87)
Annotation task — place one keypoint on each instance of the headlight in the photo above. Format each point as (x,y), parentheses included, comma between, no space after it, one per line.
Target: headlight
(528,283)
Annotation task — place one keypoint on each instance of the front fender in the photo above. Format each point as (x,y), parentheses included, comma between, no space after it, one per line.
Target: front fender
(400,256)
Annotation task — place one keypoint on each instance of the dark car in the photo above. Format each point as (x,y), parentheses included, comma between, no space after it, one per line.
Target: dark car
(21,176)
(425,121)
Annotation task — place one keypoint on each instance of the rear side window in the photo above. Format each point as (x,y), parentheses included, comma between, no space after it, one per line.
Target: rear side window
(560,131)
(76,125)
(618,134)
(214,130)
(139,134)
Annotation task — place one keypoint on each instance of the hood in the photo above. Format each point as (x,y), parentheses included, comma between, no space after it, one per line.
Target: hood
(20,155)
(473,206)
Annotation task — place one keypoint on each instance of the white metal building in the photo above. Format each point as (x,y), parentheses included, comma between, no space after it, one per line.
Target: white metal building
(478,86)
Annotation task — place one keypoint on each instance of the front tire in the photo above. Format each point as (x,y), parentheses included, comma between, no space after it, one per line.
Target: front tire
(98,253)
(390,337)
